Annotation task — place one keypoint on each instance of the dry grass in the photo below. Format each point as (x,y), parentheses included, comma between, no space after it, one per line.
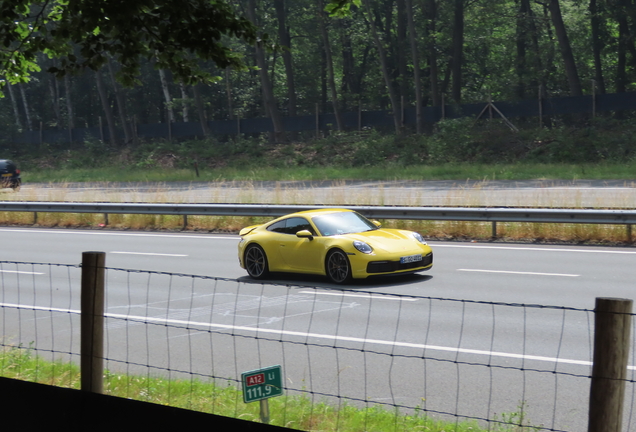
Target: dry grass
(474,195)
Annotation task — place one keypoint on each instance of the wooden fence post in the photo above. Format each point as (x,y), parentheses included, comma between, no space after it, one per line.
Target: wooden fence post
(612,331)
(92,322)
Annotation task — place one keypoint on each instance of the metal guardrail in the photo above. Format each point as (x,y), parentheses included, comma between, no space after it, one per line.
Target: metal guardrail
(476,214)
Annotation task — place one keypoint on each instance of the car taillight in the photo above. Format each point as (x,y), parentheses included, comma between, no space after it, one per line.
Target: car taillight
(17,171)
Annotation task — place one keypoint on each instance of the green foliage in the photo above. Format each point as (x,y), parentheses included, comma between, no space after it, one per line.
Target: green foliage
(175,33)
(455,142)
(297,412)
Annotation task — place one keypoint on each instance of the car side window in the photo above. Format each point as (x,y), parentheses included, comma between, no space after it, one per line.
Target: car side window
(278,227)
(296,224)
(291,226)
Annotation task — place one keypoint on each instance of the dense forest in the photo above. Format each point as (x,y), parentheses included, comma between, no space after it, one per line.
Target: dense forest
(384,54)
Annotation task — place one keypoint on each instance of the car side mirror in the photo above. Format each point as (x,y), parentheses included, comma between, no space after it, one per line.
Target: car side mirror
(376,223)
(305,234)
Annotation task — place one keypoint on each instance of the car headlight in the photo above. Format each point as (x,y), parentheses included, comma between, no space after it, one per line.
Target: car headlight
(418,237)
(362,247)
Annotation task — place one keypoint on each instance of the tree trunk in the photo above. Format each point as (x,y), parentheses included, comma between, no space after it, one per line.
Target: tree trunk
(108,113)
(430,14)
(397,120)
(26,107)
(349,86)
(549,53)
(228,93)
(166,95)
(402,46)
(184,99)
(623,40)
(198,100)
(55,100)
(329,64)
(522,42)
(538,79)
(268,91)
(416,66)
(566,50)
(285,40)
(14,105)
(597,45)
(458,51)
(121,105)
(69,102)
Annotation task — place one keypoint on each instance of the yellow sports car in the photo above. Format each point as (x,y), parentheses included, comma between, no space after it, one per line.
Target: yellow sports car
(338,243)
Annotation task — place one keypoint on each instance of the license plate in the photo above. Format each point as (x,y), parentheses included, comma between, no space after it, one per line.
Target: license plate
(410,259)
(7,175)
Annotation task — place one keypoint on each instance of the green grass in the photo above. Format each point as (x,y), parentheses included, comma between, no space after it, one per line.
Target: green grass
(460,172)
(296,412)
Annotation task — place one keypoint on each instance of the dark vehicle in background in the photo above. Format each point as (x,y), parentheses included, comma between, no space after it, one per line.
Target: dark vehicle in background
(9,175)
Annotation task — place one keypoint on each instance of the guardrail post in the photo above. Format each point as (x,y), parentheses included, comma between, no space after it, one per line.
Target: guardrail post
(494,229)
(612,331)
(92,322)
(628,230)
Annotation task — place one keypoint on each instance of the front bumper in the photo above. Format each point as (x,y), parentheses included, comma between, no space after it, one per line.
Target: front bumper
(376,267)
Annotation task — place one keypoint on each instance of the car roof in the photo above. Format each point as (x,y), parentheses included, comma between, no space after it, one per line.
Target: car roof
(320,211)
(310,213)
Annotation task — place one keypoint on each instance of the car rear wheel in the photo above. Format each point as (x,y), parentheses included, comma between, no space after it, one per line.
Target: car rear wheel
(256,262)
(338,267)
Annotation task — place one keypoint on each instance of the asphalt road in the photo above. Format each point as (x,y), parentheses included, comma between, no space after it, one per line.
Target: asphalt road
(484,358)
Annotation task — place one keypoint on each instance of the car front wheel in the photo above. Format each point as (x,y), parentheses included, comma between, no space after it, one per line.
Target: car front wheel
(338,267)
(256,262)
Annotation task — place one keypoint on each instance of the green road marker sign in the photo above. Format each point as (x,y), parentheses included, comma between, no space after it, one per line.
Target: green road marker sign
(262,384)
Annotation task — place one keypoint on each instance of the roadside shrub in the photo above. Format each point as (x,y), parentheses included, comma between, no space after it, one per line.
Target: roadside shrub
(452,141)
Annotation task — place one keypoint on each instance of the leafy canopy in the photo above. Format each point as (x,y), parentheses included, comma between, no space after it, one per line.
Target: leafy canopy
(85,33)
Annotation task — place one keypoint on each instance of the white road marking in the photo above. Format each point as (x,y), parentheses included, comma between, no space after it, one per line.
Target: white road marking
(148,253)
(165,321)
(21,272)
(115,233)
(541,249)
(518,272)
(379,297)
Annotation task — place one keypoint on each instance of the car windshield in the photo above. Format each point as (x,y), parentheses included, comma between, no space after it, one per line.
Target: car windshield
(342,223)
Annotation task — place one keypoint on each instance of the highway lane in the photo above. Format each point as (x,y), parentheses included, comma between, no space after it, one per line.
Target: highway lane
(453,333)
(570,276)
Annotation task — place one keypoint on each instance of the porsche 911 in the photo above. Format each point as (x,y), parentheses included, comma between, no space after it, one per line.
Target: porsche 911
(338,243)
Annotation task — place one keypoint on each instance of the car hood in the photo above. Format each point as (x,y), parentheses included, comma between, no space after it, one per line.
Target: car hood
(388,240)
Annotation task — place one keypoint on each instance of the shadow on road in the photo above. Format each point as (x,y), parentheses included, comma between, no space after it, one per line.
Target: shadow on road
(322,282)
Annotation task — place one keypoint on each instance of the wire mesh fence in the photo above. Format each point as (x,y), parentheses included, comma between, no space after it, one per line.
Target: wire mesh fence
(347,355)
